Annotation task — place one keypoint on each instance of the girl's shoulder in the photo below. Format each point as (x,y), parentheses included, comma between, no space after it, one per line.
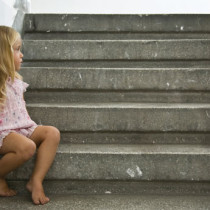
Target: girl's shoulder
(17,84)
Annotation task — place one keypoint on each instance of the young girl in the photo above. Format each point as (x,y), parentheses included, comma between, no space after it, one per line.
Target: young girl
(19,135)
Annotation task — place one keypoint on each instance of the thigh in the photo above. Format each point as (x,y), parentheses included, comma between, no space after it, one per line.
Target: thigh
(14,142)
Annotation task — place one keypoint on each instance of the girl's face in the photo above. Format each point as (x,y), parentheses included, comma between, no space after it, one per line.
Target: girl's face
(17,54)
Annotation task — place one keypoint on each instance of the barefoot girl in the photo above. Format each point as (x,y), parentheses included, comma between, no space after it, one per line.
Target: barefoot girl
(19,135)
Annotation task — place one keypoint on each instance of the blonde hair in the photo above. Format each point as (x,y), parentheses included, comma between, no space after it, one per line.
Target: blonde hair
(8,36)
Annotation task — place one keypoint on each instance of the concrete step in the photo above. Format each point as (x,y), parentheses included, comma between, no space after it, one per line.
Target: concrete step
(126,162)
(163,85)
(182,49)
(58,78)
(116,187)
(111,202)
(116,23)
(132,117)
(111,36)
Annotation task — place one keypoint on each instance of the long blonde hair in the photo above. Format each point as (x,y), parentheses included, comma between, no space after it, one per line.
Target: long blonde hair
(8,37)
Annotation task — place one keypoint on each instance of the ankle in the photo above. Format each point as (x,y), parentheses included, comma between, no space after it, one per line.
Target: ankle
(35,181)
(3,183)
(2,180)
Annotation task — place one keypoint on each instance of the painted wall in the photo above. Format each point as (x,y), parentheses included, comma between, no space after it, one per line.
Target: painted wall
(121,6)
(12,12)
(7,12)
(10,8)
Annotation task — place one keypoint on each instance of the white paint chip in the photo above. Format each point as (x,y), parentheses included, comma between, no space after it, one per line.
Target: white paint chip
(30,23)
(139,171)
(207,114)
(130,172)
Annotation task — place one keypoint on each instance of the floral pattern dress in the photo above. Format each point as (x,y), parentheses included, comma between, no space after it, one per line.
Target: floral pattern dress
(14,116)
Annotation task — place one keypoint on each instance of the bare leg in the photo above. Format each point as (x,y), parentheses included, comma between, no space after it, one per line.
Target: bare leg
(17,149)
(47,139)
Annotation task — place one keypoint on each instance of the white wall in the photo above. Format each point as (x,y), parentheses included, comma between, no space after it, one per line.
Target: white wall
(7,12)
(121,6)
(12,13)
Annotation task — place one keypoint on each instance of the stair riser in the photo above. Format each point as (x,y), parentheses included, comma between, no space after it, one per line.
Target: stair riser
(117,50)
(88,187)
(116,23)
(112,36)
(60,97)
(163,167)
(116,118)
(117,64)
(134,138)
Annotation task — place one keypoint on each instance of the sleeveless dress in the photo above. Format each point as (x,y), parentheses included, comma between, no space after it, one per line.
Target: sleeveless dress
(14,116)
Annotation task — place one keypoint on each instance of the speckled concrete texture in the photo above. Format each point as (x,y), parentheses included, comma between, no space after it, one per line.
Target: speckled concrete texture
(126,162)
(117,187)
(120,117)
(98,85)
(116,23)
(183,49)
(110,202)
(130,95)
(191,79)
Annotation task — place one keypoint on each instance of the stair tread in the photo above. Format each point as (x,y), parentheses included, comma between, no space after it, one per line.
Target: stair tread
(118,68)
(123,105)
(127,40)
(111,202)
(114,202)
(118,63)
(173,149)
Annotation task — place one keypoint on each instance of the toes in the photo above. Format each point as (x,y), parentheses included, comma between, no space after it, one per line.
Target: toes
(13,193)
(5,191)
(47,200)
(42,200)
(8,193)
(37,202)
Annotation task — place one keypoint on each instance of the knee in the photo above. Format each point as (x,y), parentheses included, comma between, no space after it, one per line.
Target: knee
(53,134)
(27,150)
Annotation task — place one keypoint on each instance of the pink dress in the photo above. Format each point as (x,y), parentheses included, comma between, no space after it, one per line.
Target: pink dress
(14,117)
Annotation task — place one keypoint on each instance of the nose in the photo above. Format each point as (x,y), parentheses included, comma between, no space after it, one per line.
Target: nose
(21,54)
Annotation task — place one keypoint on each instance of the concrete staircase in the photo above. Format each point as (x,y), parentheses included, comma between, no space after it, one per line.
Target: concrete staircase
(130,95)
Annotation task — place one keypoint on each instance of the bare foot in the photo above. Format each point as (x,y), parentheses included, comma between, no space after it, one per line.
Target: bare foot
(5,190)
(37,192)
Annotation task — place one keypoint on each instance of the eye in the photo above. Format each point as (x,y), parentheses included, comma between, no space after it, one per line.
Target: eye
(17,48)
